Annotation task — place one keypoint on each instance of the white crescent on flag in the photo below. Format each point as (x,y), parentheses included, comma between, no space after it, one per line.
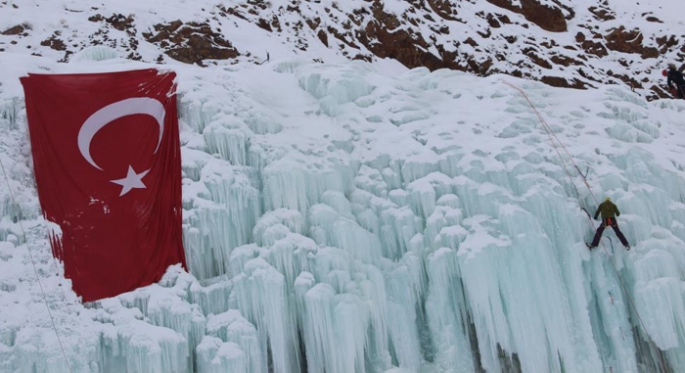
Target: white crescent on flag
(111,112)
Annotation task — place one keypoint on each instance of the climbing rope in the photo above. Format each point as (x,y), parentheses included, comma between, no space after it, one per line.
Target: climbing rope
(35,271)
(552,136)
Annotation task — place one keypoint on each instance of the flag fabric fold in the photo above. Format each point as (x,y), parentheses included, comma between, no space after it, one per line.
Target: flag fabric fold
(107,162)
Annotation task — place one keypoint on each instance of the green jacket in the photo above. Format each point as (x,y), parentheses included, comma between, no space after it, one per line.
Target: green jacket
(607,209)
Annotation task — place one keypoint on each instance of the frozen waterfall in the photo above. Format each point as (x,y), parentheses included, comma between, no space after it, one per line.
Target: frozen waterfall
(361,218)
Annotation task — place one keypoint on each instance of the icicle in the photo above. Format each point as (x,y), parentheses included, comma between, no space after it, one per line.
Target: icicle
(322,352)
(288,185)
(402,319)
(230,326)
(445,314)
(291,256)
(174,313)
(230,144)
(136,346)
(94,53)
(260,296)
(290,218)
(217,227)
(212,299)
(215,356)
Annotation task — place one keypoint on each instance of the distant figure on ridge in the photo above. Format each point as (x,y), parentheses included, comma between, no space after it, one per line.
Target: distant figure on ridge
(609,213)
(675,80)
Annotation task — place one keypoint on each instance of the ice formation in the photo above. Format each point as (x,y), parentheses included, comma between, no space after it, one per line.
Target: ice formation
(366,218)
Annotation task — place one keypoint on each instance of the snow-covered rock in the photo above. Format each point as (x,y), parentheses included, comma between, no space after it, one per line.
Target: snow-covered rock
(564,43)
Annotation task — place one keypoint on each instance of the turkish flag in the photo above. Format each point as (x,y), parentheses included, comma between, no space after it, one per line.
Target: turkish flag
(107,160)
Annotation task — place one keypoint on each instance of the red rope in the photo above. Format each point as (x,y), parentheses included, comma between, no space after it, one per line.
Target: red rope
(552,135)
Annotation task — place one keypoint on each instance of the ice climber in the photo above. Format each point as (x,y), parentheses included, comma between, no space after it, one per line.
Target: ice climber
(609,213)
(675,80)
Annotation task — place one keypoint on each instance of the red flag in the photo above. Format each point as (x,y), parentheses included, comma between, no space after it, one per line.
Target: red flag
(107,159)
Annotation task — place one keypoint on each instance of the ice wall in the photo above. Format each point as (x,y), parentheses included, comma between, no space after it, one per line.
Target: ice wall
(362,218)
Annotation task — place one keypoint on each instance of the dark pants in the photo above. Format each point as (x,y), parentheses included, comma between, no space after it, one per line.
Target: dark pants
(679,91)
(613,224)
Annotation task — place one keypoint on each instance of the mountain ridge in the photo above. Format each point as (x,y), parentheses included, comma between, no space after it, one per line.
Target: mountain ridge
(563,44)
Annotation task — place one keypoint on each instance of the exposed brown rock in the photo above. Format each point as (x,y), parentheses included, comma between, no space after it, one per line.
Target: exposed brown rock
(443,8)
(368,29)
(492,21)
(571,12)
(54,43)
(587,76)
(117,21)
(323,37)
(630,81)
(234,12)
(362,58)
(547,18)
(564,61)
(556,81)
(258,3)
(602,14)
(14,30)
(408,48)
(264,24)
(485,35)
(511,39)
(121,22)
(276,24)
(624,41)
(497,20)
(342,37)
(471,42)
(191,42)
(549,45)
(667,43)
(96,18)
(314,23)
(591,47)
(655,92)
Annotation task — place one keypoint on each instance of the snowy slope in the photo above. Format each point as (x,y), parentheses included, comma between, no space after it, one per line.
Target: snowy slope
(579,43)
(369,218)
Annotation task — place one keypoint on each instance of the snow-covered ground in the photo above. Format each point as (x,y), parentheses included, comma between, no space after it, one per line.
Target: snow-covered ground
(367,218)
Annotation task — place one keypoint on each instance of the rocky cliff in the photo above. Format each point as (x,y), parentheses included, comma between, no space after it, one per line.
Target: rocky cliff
(564,43)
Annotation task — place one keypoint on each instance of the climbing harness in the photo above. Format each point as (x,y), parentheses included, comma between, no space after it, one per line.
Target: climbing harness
(552,137)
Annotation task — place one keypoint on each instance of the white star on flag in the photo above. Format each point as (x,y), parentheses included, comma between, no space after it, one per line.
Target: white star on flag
(132,180)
